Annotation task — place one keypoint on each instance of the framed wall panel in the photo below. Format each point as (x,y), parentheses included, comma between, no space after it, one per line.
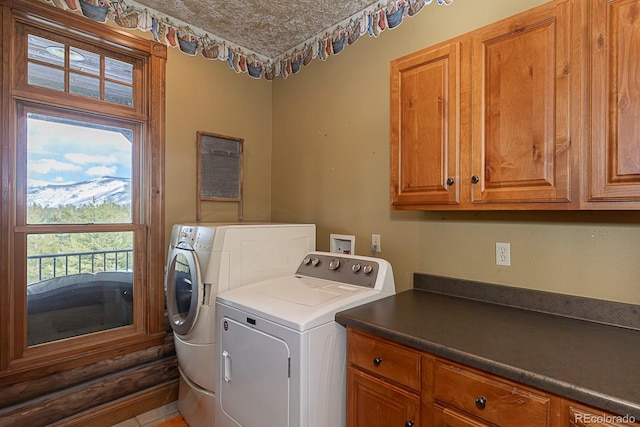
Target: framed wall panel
(219,169)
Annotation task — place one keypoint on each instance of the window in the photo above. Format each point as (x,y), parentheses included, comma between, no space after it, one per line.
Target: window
(81,268)
(78,174)
(65,68)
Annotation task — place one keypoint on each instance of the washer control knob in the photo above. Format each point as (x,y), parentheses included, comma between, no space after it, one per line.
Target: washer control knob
(356,267)
(315,262)
(367,269)
(306,260)
(334,264)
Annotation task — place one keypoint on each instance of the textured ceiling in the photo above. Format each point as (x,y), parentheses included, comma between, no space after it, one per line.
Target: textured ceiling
(260,38)
(268,28)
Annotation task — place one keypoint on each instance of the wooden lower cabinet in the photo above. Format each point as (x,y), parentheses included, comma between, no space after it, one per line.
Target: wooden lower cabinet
(578,415)
(447,417)
(383,382)
(389,384)
(477,398)
(374,403)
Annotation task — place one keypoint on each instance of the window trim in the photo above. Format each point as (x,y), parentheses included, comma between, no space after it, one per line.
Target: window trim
(23,229)
(16,364)
(21,88)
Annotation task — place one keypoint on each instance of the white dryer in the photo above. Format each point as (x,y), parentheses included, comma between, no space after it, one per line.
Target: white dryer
(205,259)
(281,355)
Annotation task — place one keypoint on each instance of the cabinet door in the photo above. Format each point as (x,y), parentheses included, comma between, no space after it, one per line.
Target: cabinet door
(445,417)
(381,358)
(373,403)
(486,397)
(584,416)
(425,130)
(520,102)
(615,103)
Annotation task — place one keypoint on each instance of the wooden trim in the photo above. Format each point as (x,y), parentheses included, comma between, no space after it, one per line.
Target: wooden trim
(48,16)
(125,408)
(154,192)
(149,327)
(66,98)
(44,364)
(6,154)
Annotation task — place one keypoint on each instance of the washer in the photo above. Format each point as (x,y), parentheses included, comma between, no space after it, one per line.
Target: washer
(204,259)
(282,357)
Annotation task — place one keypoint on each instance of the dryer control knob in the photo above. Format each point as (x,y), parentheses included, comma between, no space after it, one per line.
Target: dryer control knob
(367,269)
(306,260)
(355,268)
(315,262)
(334,264)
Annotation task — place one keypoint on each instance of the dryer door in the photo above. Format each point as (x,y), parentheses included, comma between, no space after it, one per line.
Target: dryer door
(254,376)
(185,290)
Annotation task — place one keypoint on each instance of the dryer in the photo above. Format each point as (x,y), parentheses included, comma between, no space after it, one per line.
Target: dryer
(281,355)
(203,260)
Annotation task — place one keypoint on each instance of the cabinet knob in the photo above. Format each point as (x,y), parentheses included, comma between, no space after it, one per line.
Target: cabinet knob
(481,402)
(409,423)
(475,179)
(450,181)
(377,361)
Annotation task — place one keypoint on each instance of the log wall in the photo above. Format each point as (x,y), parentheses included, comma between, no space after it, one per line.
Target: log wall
(101,394)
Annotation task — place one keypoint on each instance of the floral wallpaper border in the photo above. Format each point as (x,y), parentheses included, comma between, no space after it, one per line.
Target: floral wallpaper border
(167,30)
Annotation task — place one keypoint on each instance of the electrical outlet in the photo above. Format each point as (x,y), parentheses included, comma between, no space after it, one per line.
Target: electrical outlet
(503,254)
(375,241)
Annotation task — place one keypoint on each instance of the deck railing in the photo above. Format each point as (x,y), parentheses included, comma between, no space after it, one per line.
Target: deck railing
(43,267)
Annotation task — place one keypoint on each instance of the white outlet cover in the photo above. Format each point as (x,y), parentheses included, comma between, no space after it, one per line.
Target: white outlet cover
(503,254)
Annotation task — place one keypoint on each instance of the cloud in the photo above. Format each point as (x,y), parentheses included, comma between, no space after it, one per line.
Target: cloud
(37,183)
(102,171)
(45,166)
(83,159)
(48,136)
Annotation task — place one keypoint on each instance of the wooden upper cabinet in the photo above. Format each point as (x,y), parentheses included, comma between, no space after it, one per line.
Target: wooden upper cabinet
(537,111)
(521,145)
(614,167)
(425,130)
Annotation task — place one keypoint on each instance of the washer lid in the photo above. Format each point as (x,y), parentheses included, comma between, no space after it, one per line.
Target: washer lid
(306,291)
(298,302)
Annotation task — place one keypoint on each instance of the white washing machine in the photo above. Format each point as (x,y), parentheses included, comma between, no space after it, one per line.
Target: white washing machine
(205,259)
(281,355)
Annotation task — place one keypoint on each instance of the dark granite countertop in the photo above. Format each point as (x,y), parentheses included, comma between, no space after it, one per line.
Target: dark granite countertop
(590,362)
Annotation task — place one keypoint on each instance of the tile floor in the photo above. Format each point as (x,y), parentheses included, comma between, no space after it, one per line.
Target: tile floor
(153,417)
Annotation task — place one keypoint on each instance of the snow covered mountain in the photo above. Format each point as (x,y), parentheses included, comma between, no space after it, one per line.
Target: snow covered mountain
(98,191)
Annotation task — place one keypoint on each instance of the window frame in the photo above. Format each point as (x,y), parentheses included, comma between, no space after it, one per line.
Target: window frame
(148,329)
(23,108)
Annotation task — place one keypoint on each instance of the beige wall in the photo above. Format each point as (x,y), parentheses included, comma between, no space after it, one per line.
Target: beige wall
(317,150)
(206,95)
(330,166)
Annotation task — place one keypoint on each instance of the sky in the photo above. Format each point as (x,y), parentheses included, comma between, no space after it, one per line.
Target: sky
(62,153)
